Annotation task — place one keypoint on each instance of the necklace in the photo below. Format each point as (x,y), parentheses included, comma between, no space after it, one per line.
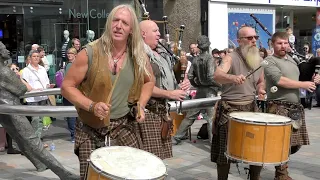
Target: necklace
(115,62)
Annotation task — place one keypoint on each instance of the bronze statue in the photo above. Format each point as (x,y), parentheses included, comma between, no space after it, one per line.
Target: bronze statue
(19,128)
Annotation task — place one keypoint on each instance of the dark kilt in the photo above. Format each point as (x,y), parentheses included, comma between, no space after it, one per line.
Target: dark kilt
(151,133)
(220,128)
(298,137)
(123,132)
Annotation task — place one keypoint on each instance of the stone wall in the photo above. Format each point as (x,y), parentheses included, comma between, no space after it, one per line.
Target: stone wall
(186,12)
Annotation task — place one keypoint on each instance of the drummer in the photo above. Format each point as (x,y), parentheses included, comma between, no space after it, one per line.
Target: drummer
(238,94)
(283,72)
(89,83)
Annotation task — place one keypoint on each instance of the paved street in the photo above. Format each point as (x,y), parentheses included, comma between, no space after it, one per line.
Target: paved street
(191,159)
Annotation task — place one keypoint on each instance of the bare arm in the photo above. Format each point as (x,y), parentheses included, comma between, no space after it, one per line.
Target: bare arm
(220,75)
(261,82)
(147,88)
(73,78)
(289,83)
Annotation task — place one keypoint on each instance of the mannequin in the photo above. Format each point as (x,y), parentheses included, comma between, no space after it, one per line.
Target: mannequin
(65,46)
(89,37)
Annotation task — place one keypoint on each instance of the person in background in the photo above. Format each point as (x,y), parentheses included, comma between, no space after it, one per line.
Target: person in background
(43,58)
(263,53)
(76,44)
(71,55)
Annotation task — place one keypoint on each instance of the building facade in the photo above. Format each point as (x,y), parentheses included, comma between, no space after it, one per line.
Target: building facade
(27,22)
(225,17)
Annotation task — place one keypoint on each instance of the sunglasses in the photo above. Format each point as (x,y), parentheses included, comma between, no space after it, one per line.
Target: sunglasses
(15,69)
(251,37)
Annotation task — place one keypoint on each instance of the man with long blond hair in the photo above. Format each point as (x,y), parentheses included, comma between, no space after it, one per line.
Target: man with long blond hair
(106,80)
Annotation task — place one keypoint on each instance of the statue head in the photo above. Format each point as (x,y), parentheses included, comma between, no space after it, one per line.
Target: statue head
(203,43)
(90,34)
(4,53)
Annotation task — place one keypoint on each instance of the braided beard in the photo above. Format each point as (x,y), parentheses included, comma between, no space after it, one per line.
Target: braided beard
(251,55)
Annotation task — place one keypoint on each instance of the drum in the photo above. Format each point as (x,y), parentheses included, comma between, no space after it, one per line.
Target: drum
(177,119)
(258,138)
(122,162)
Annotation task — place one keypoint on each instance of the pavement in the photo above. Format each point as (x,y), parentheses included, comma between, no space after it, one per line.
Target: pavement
(191,159)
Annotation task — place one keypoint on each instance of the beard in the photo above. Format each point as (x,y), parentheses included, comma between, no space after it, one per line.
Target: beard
(251,55)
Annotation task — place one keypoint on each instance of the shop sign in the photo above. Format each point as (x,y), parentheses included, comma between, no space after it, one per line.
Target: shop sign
(93,13)
(309,3)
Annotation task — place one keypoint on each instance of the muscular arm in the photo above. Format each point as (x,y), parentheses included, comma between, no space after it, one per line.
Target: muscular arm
(73,78)
(148,86)
(220,75)
(289,83)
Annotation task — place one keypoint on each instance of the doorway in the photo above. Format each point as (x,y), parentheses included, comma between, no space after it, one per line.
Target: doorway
(11,34)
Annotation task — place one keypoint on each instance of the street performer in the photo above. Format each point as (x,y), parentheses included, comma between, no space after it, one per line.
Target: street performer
(283,72)
(107,79)
(238,94)
(156,130)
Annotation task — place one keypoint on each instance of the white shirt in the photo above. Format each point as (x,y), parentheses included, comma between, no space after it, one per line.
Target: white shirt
(46,63)
(34,82)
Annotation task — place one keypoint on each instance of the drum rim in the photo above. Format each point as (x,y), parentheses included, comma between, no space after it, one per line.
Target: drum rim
(259,122)
(255,163)
(123,178)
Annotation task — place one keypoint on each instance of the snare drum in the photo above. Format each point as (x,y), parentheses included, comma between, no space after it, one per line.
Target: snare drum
(122,162)
(258,138)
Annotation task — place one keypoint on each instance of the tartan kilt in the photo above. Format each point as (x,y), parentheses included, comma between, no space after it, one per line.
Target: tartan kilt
(127,135)
(298,137)
(151,134)
(220,129)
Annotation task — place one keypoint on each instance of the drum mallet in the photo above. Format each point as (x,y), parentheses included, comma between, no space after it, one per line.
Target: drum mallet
(264,63)
(273,89)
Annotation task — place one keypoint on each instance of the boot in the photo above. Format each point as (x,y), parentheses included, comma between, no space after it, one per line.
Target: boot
(255,172)
(223,171)
(282,173)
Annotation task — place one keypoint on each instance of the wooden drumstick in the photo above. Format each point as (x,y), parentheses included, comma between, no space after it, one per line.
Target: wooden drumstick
(139,110)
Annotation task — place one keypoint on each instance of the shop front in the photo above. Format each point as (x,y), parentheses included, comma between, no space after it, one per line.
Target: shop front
(227,16)
(51,23)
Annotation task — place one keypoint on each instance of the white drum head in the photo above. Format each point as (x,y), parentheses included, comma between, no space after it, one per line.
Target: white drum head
(128,163)
(257,117)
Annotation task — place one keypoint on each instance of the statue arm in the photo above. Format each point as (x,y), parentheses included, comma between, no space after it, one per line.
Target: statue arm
(11,83)
(210,73)
(191,76)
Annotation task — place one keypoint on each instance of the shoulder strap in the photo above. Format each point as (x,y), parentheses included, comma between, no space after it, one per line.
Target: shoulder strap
(36,76)
(89,51)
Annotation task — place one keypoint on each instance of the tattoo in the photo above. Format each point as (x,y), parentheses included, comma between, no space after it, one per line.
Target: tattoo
(221,64)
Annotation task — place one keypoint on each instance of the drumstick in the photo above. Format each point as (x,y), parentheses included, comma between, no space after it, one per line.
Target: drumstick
(113,86)
(139,110)
(262,64)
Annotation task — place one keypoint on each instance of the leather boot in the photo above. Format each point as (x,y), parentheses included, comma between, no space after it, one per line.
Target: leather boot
(223,171)
(255,172)
(282,173)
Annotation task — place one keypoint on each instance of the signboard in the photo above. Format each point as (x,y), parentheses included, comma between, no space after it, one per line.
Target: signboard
(315,39)
(309,3)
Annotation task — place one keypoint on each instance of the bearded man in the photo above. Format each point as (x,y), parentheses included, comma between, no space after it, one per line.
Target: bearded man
(238,94)
(283,72)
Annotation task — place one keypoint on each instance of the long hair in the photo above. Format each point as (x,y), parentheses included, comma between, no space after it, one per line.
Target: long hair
(135,41)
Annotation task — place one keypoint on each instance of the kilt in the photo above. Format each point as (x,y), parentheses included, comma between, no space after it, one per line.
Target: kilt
(122,130)
(151,133)
(220,128)
(298,137)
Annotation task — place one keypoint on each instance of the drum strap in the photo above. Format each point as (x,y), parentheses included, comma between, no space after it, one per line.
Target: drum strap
(99,141)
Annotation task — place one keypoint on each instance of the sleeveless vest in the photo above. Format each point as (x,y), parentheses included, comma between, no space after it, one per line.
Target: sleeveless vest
(98,84)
